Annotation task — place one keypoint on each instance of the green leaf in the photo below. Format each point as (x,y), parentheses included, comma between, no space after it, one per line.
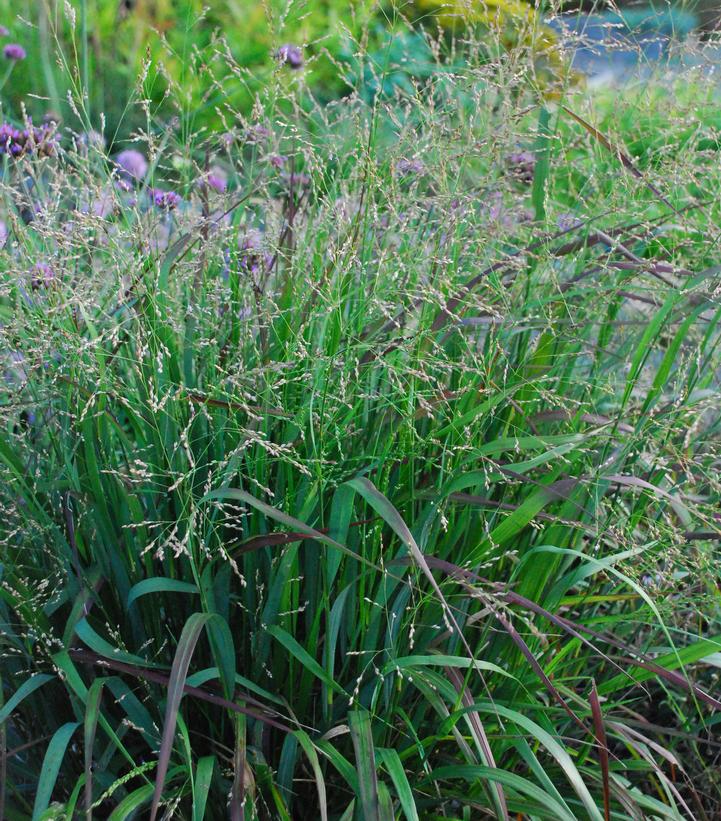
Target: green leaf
(131,803)
(92,712)
(283,518)
(304,657)
(522,786)
(24,690)
(183,654)
(203,779)
(543,164)
(51,767)
(690,654)
(359,722)
(552,746)
(103,648)
(392,762)
(159,585)
(310,752)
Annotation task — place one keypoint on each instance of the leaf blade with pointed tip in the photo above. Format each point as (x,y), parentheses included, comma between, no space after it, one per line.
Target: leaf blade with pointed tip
(51,767)
(178,673)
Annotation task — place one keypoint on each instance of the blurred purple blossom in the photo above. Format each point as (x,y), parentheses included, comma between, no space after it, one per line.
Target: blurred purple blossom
(218,180)
(14,51)
(226,139)
(252,257)
(43,276)
(16,142)
(278,160)
(409,167)
(4,233)
(92,139)
(256,133)
(167,200)
(505,215)
(132,163)
(99,204)
(4,32)
(290,55)
(297,180)
(522,164)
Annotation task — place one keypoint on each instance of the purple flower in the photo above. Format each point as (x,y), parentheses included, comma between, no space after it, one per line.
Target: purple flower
(278,160)
(103,204)
(252,258)
(409,168)
(256,133)
(216,179)
(4,31)
(290,55)
(16,142)
(297,180)
(43,276)
(132,163)
(167,200)
(14,51)
(4,233)
(522,164)
(12,141)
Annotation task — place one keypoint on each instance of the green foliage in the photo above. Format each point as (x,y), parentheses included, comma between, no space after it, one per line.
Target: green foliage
(97,51)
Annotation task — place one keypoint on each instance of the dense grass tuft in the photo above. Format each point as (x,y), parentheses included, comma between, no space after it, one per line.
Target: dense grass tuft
(362,462)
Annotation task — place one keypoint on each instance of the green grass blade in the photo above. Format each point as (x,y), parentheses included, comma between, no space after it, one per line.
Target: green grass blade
(183,654)
(24,690)
(360,728)
(392,762)
(51,767)
(148,586)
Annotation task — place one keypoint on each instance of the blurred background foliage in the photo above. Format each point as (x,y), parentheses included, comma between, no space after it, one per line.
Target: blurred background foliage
(221,53)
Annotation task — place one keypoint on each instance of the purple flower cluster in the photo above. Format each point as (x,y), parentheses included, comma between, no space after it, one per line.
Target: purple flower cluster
(253,259)
(290,55)
(132,164)
(256,133)
(296,180)
(14,52)
(215,180)
(522,164)
(409,167)
(40,140)
(166,200)
(42,276)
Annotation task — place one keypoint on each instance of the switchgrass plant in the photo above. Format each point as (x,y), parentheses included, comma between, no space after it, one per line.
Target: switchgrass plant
(362,461)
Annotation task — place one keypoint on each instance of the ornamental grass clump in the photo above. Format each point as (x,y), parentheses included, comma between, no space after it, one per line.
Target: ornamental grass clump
(378,484)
